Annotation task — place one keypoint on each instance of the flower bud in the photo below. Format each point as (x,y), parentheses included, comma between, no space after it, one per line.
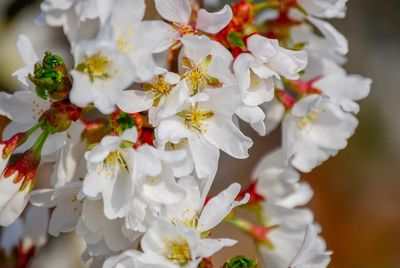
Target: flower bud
(60,117)
(240,262)
(51,78)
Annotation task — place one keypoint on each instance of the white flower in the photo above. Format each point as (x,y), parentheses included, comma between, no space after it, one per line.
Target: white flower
(174,246)
(164,96)
(324,8)
(134,183)
(191,213)
(101,73)
(207,125)
(315,130)
(279,184)
(205,63)
(312,252)
(138,39)
(180,236)
(256,71)
(179,12)
(107,164)
(67,201)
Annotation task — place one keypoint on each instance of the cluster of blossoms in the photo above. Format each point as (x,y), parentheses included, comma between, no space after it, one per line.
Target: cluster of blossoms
(134,130)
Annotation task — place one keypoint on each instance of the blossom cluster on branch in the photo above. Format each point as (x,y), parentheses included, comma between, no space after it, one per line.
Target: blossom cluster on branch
(134,130)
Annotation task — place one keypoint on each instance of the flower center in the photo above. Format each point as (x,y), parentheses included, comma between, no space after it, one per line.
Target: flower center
(197,76)
(114,163)
(304,121)
(158,89)
(96,66)
(177,250)
(194,117)
(184,29)
(123,41)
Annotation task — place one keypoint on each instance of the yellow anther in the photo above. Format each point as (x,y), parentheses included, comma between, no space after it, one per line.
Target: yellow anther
(159,88)
(304,121)
(184,29)
(114,163)
(197,76)
(194,117)
(177,250)
(96,66)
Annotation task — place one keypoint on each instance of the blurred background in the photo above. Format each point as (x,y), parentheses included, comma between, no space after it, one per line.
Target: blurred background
(357,193)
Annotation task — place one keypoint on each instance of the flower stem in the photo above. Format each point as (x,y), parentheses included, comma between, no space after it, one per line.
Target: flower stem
(38,145)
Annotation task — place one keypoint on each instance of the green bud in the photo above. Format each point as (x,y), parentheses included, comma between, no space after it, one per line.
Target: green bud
(241,262)
(51,78)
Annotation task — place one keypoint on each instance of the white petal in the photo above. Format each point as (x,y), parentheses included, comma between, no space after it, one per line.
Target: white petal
(23,107)
(26,50)
(219,207)
(262,48)
(64,217)
(223,134)
(163,189)
(241,66)
(332,35)
(213,22)
(171,129)
(134,101)
(14,207)
(254,116)
(205,156)
(208,247)
(174,10)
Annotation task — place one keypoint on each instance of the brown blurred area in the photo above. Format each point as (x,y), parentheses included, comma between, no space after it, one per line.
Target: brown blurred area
(357,193)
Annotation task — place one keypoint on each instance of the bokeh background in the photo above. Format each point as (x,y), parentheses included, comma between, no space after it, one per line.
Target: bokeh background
(357,193)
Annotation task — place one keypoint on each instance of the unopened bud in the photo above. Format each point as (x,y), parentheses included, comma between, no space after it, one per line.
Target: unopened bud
(241,262)
(60,117)
(51,78)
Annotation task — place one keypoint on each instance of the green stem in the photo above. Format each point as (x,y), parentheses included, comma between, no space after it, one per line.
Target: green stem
(38,145)
(29,132)
(240,223)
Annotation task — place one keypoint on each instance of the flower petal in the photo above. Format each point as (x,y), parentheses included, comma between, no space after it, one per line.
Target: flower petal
(213,22)
(174,10)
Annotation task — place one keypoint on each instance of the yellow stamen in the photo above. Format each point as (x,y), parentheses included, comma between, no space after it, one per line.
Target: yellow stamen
(194,117)
(96,66)
(304,121)
(123,41)
(177,250)
(114,162)
(184,29)
(197,76)
(159,88)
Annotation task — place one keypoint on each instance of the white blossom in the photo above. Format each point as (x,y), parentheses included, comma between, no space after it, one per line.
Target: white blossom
(179,12)
(315,130)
